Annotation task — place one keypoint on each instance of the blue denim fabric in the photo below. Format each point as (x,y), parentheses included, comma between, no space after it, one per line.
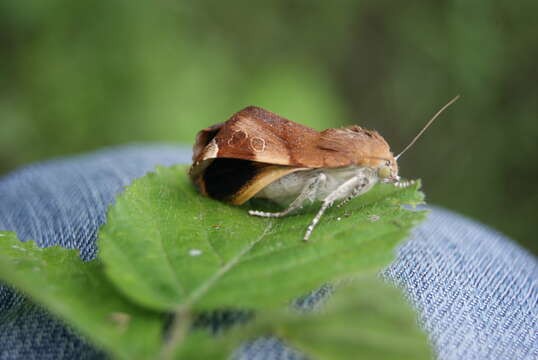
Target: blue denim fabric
(476,291)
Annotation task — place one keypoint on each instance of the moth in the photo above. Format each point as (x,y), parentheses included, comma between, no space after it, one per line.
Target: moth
(258,154)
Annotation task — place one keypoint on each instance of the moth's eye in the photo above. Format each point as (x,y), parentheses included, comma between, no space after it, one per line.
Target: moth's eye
(384,172)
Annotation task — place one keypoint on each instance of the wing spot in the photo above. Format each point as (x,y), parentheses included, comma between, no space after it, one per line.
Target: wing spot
(238,136)
(257,144)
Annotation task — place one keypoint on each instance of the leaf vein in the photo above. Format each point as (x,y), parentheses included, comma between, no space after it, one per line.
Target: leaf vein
(206,286)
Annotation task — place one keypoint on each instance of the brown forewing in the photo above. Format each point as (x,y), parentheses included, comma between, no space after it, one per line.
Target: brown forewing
(262,136)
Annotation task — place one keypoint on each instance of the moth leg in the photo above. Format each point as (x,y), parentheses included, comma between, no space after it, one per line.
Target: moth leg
(308,193)
(356,185)
(404,183)
(358,190)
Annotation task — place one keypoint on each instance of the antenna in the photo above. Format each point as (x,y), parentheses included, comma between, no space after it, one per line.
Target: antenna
(427,126)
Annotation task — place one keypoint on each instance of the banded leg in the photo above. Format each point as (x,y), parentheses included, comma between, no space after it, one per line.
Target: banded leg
(308,193)
(346,188)
(404,183)
(354,193)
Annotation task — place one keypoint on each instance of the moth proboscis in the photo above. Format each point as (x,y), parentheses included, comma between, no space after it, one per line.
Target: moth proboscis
(258,154)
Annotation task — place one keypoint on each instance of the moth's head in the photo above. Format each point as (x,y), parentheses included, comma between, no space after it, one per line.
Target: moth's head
(387,171)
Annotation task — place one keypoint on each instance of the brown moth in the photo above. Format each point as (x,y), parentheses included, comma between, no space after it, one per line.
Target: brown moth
(257,153)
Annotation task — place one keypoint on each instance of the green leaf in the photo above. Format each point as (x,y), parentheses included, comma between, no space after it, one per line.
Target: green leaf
(200,345)
(167,247)
(366,320)
(80,293)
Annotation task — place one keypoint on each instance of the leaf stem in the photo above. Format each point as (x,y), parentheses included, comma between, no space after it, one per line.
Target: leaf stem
(181,323)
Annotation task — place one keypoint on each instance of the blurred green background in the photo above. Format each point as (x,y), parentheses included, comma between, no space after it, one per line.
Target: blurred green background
(77,76)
